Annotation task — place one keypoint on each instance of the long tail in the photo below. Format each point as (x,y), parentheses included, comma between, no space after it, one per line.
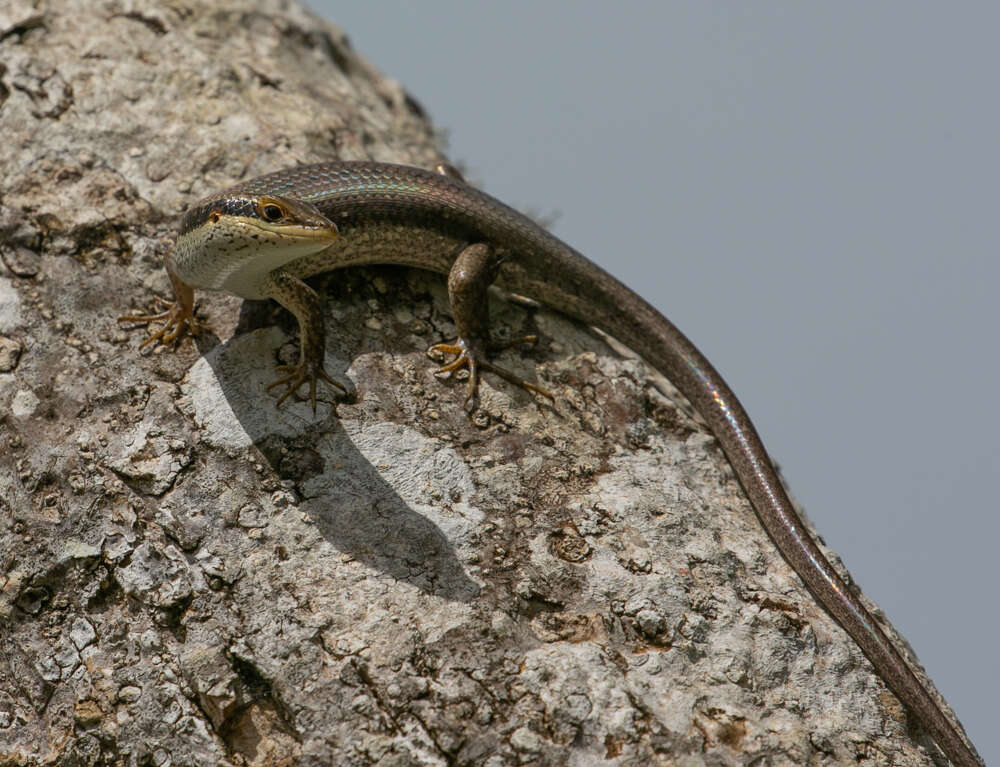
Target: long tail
(664,346)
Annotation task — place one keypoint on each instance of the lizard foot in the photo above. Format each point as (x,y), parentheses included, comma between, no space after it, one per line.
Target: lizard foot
(296,375)
(468,356)
(176,317)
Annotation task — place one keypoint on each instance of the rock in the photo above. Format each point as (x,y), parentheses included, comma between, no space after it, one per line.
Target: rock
(189,575)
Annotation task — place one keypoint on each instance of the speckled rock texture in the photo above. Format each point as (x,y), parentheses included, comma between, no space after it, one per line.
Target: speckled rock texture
(189,576)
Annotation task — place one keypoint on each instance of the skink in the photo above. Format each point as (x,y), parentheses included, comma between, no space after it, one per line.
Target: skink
(261,238)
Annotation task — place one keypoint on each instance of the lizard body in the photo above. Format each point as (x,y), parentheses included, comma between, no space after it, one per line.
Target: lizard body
(392,214)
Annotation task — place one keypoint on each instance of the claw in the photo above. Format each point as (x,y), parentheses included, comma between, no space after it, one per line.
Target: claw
(466,357)
(300,374)
(176,317)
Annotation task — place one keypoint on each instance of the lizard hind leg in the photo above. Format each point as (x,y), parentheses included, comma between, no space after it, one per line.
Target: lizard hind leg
(474,270)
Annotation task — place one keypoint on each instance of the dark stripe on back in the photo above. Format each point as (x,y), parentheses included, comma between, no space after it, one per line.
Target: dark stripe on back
(243,206)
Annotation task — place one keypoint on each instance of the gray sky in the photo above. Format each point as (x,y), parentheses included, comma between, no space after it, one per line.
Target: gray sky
(810,192)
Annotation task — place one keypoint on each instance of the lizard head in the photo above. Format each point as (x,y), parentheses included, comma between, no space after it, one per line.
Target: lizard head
(230,238)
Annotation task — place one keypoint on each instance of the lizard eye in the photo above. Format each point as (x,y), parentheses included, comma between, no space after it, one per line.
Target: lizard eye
(271,212)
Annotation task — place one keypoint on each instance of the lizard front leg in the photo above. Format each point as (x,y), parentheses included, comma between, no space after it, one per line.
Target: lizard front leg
(178,315)
(305,304)
(468,283)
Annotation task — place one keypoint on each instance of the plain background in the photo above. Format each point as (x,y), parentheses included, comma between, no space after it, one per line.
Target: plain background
(810,192)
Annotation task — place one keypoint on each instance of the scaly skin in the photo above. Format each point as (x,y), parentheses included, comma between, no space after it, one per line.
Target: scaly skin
(391,214)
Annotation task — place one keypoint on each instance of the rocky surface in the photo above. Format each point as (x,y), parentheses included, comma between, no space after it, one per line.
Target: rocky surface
(190,576)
